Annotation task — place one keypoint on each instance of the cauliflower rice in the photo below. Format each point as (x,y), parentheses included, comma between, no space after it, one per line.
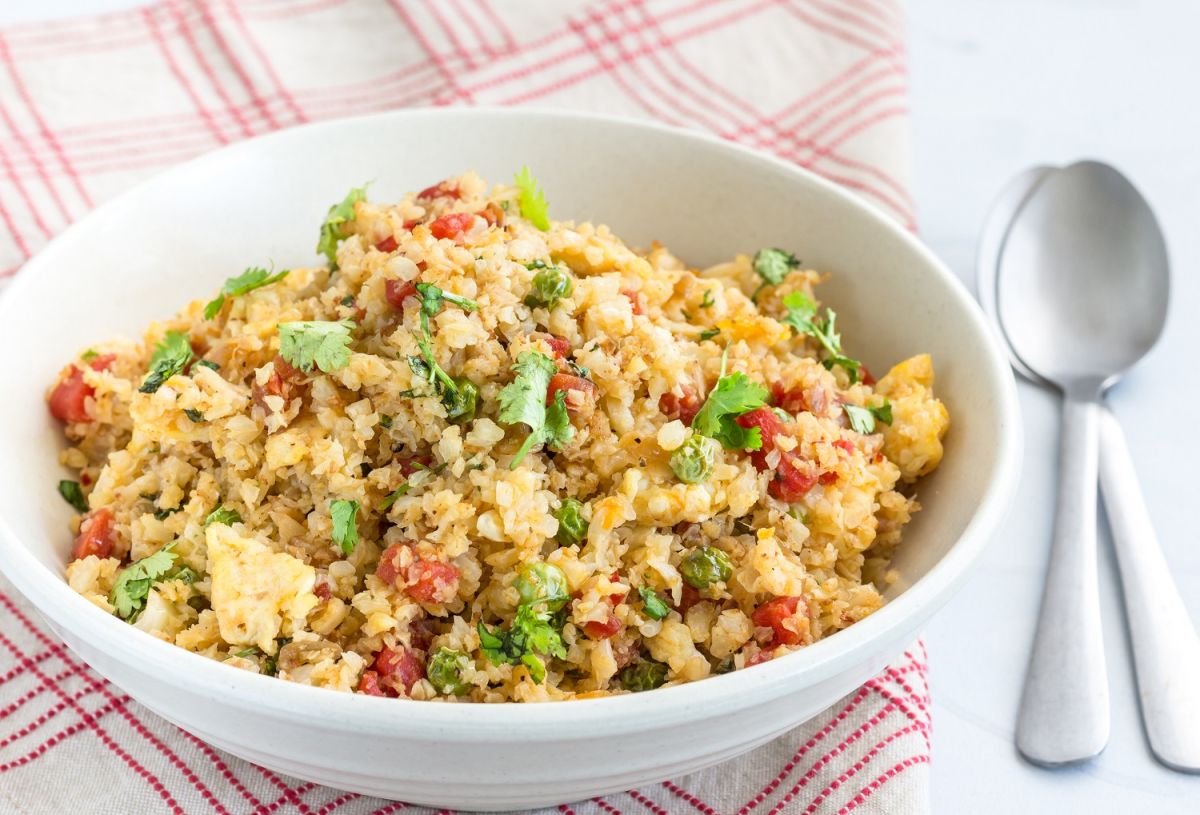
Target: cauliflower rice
(382,523)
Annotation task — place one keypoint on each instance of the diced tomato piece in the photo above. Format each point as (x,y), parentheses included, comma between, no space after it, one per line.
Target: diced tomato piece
(492,214)
(397,291)
(322,591)
(769,426)
(442,189)
(388,244)
(452,225)
(411,464)
(559,346)
(389,563)
(615,599)
(283,382)
(399,668)
(684,407)
(432,581)
(865,375)
(843,444)
(411,223)
(602,629)
(68,400)
(780,615)
(95,535)
(687,598)
(759,658)
(369,684)
(635,300)
(798,400)
(790,484)
(572,385)
(421,632)
(828,477)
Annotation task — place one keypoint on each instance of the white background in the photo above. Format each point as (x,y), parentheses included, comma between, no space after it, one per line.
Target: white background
(998,85)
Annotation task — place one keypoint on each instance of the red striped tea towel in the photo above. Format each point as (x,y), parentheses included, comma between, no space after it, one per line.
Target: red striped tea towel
(89,106)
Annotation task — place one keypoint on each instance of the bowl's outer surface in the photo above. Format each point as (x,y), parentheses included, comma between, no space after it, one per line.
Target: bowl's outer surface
(178,236)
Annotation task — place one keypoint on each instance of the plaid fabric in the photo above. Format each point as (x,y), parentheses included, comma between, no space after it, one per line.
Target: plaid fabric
(89,106)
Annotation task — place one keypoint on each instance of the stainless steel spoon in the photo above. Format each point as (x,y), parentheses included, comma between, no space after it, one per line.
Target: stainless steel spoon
(1165,645)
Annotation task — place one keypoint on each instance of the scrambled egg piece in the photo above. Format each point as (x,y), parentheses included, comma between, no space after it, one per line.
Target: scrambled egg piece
(257,594)
(914,438)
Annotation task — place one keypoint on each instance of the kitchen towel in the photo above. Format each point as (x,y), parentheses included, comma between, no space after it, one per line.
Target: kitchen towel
(89,106)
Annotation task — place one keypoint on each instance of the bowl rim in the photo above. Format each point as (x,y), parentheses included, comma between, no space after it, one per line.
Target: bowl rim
(590,718)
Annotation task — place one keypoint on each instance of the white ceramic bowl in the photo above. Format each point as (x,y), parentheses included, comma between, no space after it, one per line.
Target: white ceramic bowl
(178,236)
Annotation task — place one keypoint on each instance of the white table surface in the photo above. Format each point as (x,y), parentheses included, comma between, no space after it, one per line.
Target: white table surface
(999,85)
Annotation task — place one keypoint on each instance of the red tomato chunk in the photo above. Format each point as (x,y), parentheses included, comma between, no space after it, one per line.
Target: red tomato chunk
(635,300)
(780,615)
(397,291)
(399,668)
(572,385)
(684,408)
(452,225)
(602,629)
(68,400)
(791,479)
(95,535)
(431,581)
(283,382)
(388,244)
(439,190)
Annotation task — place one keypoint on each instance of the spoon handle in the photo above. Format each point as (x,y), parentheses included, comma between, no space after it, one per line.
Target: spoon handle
(1166,650)
(1064,708)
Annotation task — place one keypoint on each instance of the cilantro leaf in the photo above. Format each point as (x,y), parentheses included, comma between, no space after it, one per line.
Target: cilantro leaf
(802,316)
(733,395)
(317,342)
(708,301)
(129,593)
(523,401)
(223,515)
(883,412)
(532,201)
(773,265)
(863,418)
(653,605)
(531,637)
(432,298)
(333,229)
(414,480)
(170,357)
(249,280)
(72,493)
(709,333)
(345,525)
(195,415)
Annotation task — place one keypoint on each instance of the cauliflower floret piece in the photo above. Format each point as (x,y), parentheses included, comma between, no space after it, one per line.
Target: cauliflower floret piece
(919,421)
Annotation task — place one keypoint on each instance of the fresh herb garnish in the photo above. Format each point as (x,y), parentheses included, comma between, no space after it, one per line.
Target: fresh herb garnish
(195,415)
(733,395)
(321,343)
(208,363)
(170,357)
(863,419)
(163,514)
(709,333)
(345,524)
(531,637)
(459,395)
(532,200)
(385,421)
(414,480)
(523,401)
(802,316)
(223,515)
(88,355)
(772,265)
(128,595)
(653,605)
(708,299)
(249,280)
(72,493)
(333,229)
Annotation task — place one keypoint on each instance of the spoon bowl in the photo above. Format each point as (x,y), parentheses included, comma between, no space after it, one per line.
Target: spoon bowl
(1085,277)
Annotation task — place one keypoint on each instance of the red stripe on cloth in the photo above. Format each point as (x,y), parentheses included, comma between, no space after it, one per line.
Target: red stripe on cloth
(289,10)
(222,768)
(606,806)
(565,810)
(206,68)
(395,806)
(337,803)
(43,128)
(681,793)
(62,735)
(866,791)
(866,25)
(455,90)
(834,30)
(510,42)
(34,210)
(452,34)
(49,713)
(44,176)
(239,70)
(647,803)
(467,17)
(264,60)
(833,785)
(180,77)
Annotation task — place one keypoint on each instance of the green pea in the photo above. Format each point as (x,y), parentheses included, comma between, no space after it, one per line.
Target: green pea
(692,462)
(705,566)
(543,584)
(571,525)
(645,674)
(550,285)
(444,672)
(461,403)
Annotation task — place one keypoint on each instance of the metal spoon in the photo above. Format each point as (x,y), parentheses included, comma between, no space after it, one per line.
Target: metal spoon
(1166,648)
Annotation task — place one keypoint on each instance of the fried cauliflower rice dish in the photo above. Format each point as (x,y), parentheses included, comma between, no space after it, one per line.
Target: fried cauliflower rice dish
(480,455)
